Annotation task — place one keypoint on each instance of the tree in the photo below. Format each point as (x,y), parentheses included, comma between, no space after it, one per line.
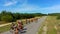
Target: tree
(0,17)
(7,18)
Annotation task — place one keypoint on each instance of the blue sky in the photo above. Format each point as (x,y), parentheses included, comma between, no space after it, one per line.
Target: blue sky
(31,6)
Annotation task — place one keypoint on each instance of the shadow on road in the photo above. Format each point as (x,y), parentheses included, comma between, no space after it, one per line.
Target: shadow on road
(24,30)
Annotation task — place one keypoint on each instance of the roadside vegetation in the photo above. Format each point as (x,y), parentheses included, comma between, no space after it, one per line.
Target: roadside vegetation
(55,14)
(53,25)
(5,28)
(41,29)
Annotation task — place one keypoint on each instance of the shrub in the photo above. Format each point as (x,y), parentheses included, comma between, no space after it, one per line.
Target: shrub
(7,18)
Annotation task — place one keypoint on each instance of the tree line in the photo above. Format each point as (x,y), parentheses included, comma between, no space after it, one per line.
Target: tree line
(55,14)
(10,17)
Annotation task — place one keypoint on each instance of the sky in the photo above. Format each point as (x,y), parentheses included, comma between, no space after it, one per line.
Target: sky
(30,6)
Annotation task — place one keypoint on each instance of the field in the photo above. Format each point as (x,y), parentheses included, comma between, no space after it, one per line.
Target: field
(52,26)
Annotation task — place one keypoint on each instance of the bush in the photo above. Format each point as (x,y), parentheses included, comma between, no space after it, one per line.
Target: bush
(58,17)
(7,18)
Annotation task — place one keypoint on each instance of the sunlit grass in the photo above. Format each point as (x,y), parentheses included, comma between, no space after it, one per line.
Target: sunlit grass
(5,28)
(52,21)
(41,28)
(50,24)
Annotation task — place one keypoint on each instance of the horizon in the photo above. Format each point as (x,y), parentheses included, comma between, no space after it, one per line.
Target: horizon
(30,6)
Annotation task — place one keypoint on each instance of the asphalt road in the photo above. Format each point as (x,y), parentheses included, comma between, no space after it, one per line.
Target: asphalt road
(31,28)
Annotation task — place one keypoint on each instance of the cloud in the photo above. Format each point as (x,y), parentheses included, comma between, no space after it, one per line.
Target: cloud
(52,9)
(22,3)
(34,8)
(27,9)
(10,3)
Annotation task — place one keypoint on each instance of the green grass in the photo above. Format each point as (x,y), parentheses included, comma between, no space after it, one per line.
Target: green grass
(51,22)
(41,28)
(51,31)
(4,28)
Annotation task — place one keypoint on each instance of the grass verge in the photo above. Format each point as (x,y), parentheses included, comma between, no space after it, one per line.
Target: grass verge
(41,28)
(51,23)
(5,28)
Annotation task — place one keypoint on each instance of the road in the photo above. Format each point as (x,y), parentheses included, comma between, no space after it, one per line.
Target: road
(32,28)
